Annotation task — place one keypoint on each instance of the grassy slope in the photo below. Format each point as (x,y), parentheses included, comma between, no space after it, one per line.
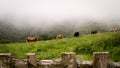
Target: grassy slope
(84,46)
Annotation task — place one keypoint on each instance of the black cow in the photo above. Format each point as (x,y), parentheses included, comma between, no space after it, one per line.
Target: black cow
(94,32)
(76,34)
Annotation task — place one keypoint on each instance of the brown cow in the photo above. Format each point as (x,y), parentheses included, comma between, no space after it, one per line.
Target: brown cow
(113,30)
(59,36)
(31,39)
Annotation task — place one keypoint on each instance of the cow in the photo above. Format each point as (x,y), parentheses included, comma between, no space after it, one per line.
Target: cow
(113,30)
(94,32)
(31,39)
(59,36)
(76,34)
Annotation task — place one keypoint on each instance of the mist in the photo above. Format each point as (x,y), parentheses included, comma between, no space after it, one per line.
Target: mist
(47,13)
(46,18)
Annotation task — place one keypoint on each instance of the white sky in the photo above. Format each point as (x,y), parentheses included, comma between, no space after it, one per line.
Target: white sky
(58,10)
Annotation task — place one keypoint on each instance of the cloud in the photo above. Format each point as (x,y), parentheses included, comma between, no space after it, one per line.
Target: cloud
(50,11)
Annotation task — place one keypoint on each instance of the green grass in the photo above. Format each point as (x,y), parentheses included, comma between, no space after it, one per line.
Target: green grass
(84,46)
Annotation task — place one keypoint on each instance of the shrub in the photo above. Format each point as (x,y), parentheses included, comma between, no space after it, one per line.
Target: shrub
(5,41)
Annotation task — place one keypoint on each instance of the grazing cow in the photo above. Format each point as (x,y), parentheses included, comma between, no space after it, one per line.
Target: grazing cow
(76,34)
(94,32)
(31,39)
(59,36)
(114,30)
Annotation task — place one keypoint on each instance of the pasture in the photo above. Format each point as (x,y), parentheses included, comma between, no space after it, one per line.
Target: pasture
(83,45)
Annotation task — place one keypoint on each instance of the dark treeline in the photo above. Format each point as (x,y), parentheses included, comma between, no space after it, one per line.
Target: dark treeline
(9,33)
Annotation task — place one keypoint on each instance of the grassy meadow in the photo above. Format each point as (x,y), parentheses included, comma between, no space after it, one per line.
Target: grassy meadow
(84,46)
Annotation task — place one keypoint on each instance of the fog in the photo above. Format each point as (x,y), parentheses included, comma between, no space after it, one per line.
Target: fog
(46,18)
(47,13)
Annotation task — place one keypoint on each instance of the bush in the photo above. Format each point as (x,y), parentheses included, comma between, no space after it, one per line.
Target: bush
(47,36)
(3,41)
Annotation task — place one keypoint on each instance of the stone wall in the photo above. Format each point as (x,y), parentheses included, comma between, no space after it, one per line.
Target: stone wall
(68,60)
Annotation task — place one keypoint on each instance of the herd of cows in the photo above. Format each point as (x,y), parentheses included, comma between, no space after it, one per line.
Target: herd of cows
(60,36)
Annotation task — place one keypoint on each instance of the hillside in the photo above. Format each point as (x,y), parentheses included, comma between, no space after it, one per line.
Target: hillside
(84,46)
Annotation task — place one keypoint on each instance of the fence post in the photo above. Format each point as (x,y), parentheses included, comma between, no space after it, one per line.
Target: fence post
(69,60)
(31,60)
(5,60)
(100,59)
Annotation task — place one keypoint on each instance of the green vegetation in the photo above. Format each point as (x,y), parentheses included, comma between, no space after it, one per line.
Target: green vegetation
(84,46)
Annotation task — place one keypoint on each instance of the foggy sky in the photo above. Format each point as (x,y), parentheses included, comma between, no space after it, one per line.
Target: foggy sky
(56,11)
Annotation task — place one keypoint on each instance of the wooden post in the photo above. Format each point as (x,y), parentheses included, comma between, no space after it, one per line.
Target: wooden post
(5,60)
(32,63)
(69,60)
(100,59)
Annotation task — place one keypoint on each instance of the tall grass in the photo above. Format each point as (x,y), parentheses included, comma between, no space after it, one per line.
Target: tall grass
(84,46)
(106,42)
